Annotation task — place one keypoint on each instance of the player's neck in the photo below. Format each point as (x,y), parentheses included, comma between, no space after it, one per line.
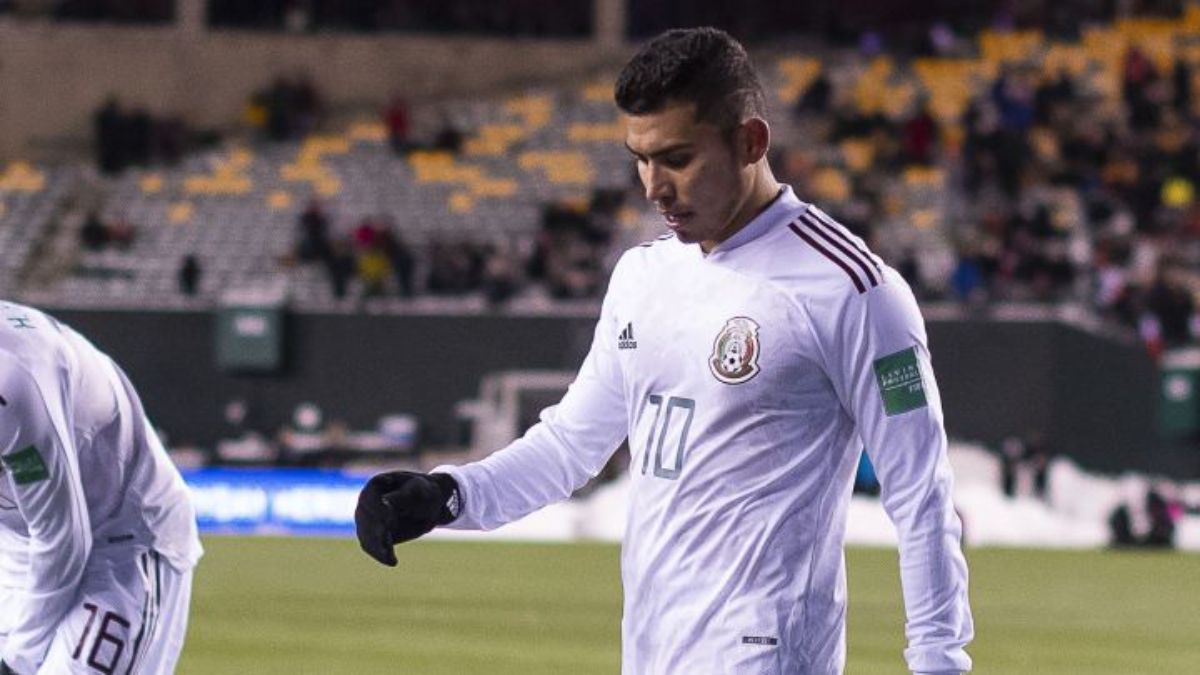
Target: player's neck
(762,194)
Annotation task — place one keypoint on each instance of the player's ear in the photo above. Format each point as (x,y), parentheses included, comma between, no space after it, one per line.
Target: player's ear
(753,139)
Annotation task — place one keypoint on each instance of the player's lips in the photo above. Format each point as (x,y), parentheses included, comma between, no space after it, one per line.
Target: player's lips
(676,219)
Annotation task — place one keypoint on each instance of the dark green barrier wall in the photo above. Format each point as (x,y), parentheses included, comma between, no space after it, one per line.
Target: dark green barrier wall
(1095,398)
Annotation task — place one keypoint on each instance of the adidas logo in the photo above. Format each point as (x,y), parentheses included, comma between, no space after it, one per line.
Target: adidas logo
(625,339)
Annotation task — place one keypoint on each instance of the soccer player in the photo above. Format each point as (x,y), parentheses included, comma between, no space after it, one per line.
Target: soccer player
(748,355)
(97,531)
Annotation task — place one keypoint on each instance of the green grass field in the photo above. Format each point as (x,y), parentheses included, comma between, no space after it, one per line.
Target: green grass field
(263,606)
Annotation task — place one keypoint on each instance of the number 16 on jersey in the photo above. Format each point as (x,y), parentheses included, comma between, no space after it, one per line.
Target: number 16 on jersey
(666,441)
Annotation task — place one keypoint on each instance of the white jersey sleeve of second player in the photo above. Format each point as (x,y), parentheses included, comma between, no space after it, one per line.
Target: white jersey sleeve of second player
(41,471)
(876,355)
(570,444)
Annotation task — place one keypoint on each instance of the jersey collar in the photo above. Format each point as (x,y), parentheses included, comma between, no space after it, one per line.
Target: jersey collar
(782,209)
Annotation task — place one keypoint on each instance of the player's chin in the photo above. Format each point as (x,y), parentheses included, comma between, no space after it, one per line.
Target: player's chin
(683,234)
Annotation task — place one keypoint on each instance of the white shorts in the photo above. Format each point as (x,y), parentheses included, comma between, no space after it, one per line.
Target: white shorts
(130,619)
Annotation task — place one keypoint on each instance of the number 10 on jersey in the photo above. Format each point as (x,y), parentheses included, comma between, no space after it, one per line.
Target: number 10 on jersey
(666,441)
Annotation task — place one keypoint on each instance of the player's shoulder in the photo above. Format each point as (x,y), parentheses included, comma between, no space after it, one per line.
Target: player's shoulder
(20,392)
(649,255)
(815,256)
(35,338)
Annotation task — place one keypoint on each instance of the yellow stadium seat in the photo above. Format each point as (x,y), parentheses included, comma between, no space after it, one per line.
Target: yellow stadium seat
(597,92)
(367,131)
(179,213)
(923,176)
(797,74)
(151,183)
(1009,47)
(461,202)
(494,140)
(536,110)
(278,200)
(831,185)
(925,219)
(858,154)
(597,133)
(21,176)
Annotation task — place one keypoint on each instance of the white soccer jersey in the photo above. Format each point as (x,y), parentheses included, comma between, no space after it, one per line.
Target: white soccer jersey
(84,478)
(744,381)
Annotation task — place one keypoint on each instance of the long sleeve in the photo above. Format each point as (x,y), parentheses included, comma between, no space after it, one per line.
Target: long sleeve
(877,357)
(39,462)
(570,444)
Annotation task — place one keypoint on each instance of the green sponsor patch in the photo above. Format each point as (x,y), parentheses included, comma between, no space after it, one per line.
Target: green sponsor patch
(26,466)
(899,377)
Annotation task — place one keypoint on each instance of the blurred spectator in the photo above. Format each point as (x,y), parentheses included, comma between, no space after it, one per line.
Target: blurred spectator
(500,276)
(136,138)
(920,136)
(396,119)
(121,233)
(1012,454)
(449,137)
(399,256)
(189,275)
(93,234)
(1173,308)
(1150,524)
(967,279)
(1181,77)
(108,126)
(817,97)
(374,266)
(308,438)
(1024,465)
(340,265)
(453,268)
(314,234)
(287,109)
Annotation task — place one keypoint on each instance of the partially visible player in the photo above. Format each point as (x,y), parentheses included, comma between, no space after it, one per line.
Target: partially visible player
(748,356)
(97,531)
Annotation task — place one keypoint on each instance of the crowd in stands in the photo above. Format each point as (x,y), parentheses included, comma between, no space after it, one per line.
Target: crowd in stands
(373,260)
(132,137)
(288,109)
(1057,192)
(1045,185)
(97,234)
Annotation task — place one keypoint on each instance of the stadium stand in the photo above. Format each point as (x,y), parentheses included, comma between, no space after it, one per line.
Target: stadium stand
(1014,166)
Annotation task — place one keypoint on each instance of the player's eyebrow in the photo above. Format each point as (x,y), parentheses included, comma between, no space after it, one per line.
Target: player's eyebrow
(674,147)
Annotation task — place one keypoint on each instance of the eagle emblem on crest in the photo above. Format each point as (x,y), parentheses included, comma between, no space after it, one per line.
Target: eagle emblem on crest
(735,352)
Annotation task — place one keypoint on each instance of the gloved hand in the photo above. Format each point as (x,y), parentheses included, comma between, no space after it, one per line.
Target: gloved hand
(400,506)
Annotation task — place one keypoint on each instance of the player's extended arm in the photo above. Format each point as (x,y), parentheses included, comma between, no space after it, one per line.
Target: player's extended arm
(878,360)
(39,463)
(568,446)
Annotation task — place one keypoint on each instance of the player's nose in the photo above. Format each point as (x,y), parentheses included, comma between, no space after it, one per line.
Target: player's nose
(659,188)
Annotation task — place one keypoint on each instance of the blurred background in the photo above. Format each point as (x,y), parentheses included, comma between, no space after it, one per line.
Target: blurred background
(329,237)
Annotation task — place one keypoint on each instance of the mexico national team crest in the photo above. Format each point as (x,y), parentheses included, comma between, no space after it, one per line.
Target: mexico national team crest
(735,353)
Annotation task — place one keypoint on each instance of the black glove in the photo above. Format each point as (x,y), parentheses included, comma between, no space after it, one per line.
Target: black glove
(400,506)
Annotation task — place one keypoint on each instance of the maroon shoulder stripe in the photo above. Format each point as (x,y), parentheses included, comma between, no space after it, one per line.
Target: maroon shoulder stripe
(841,232)
(850,255)
(825,252)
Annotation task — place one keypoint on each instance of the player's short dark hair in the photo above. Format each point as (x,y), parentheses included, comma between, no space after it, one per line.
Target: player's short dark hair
(704,66)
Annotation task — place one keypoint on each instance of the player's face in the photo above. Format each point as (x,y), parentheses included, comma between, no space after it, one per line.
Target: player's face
(691,172)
